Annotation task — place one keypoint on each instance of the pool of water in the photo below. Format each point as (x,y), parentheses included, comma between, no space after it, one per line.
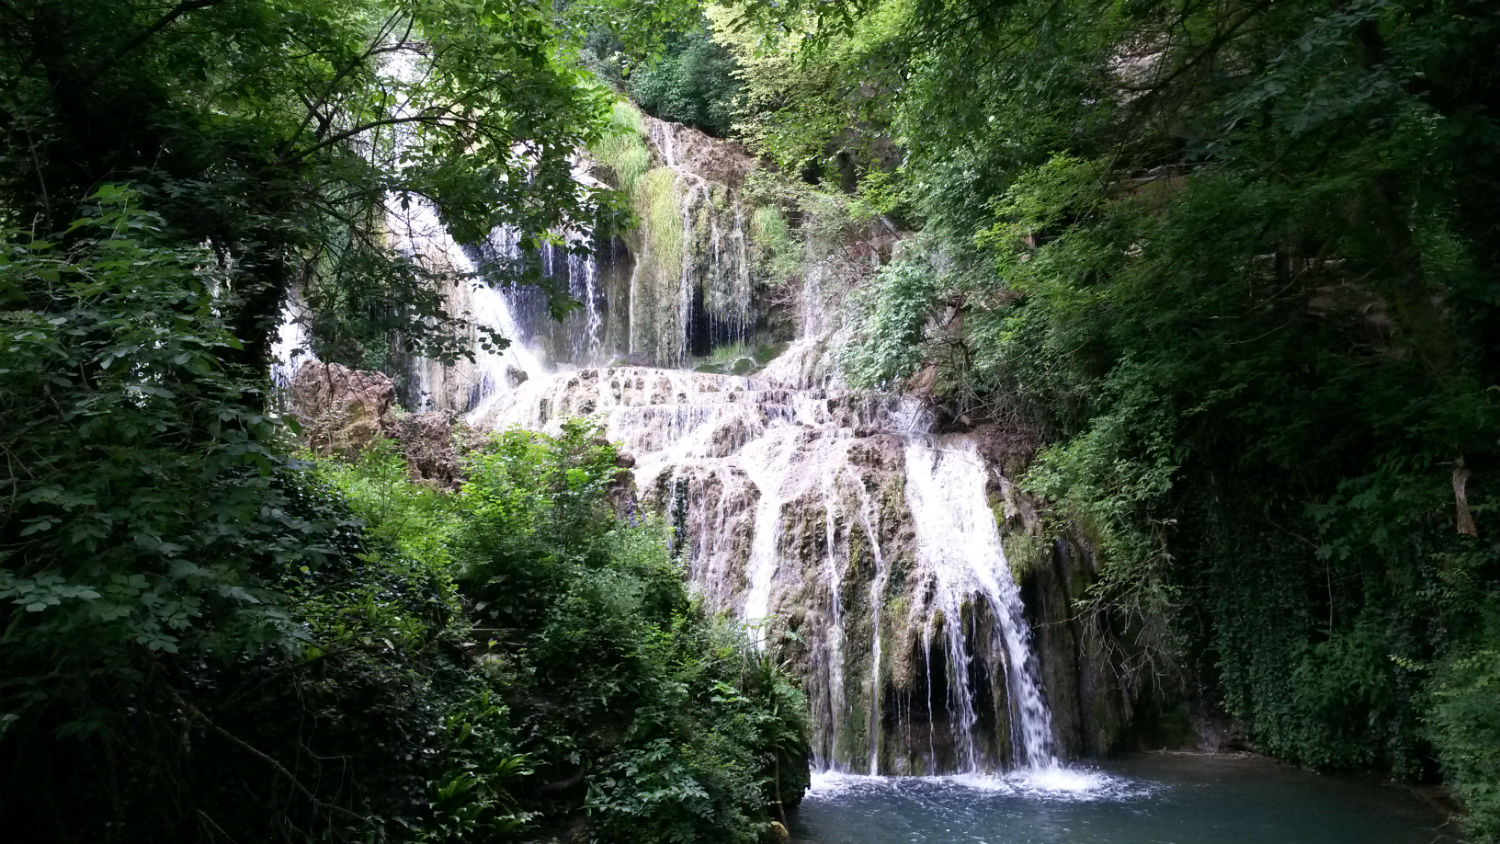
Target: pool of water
(1153,798)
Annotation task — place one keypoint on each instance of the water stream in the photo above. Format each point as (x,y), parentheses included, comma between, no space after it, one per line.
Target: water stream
(956,535)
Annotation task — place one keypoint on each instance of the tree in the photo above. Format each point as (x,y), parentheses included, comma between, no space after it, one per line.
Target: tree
(169,171)
(269,130)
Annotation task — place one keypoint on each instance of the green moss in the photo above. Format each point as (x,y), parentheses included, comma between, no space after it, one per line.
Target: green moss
(623,147)
(1025,553)
(898,569)
(655,200)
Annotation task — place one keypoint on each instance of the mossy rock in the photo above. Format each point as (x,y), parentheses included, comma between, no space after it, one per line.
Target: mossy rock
(767,352)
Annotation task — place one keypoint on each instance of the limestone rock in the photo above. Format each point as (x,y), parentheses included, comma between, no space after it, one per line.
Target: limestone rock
(343,411)
(426,440)
(340,409)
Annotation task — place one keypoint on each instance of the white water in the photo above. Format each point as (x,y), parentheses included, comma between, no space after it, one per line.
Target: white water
(1055,782)
(293,344)
(416,230)
(958,539)
(767,460)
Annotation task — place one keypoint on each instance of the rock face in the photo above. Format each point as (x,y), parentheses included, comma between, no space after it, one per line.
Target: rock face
(865,550)
(691,289)
(340,408)
(1081,659)
(427,442)
(343,411)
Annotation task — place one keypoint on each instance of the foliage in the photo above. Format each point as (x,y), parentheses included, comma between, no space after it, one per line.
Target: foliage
(1466,730)
(893,313)
(811,240)
(656,205)
(203,640)
(112,363)
(694,82)
(175,649)
(816,103)
(626,698)
(281,157)
(778,252)
(619,36)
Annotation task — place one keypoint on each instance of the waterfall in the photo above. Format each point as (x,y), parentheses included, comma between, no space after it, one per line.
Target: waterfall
(957,538)
(416,231)
(571,266)
(867,515)
(689,307)
(766,462)
(293,344)
(850,538)
(797,502)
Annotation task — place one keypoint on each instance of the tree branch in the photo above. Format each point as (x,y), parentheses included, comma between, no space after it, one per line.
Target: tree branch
(377,46)
(434,117)
(166,20)
(248,748)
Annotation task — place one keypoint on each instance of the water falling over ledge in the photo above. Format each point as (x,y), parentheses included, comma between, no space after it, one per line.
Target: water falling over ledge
(802,508)
(834,515)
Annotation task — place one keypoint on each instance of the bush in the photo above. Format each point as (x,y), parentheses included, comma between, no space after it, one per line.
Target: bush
(628,701)
(693,83)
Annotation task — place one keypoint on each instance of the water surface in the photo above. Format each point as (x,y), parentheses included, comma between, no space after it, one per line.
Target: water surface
(1151,798)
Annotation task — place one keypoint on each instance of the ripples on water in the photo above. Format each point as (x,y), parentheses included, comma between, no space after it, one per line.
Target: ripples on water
(1153,798)
(1050,783)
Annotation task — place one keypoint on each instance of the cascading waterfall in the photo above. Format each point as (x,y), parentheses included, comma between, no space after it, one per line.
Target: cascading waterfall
(877,588)
(958,539)
(834,573)
(802,507)
(835,515)
(685,283)
(711,295)
(572,265)
(293,344)
(416,230)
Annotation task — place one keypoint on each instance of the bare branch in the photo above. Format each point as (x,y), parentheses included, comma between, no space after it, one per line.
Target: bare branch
(436,117)
(377,46)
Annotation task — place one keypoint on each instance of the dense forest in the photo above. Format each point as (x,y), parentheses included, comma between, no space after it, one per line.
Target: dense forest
(1232,269)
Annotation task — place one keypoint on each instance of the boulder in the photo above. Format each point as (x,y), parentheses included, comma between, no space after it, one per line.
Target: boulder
(343,411)
(340,409)
(426,440)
